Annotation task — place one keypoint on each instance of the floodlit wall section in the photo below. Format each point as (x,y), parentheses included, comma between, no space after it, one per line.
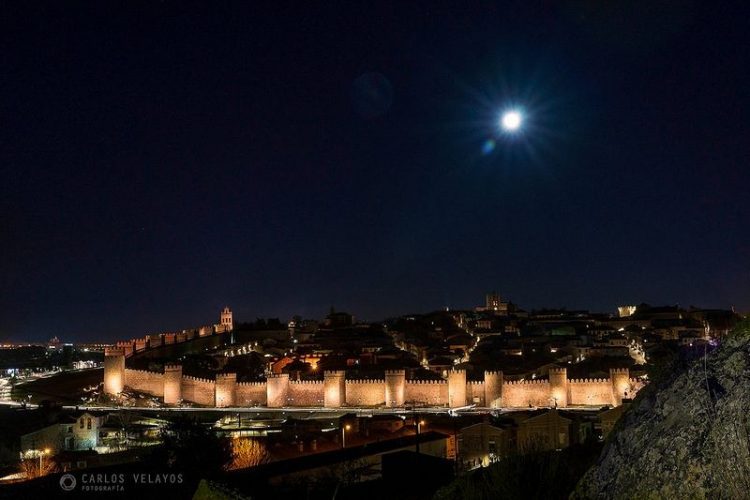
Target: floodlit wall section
(426,393)
(251,394)
(145,381)
(522,394)
(306,393)
(365,392)
(394,391)
(198,390)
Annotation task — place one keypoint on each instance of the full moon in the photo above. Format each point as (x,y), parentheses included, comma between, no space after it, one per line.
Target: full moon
(511,120)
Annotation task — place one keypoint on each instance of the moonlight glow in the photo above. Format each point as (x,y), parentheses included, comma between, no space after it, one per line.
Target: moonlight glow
(511,121)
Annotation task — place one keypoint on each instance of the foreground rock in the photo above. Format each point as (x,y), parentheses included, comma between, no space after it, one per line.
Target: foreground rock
(688,437)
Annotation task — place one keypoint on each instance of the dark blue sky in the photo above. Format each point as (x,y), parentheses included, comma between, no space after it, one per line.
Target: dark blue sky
(158,161)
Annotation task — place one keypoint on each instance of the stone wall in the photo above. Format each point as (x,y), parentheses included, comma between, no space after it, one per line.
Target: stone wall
(365,392)
(251,393)
(114,370)
(145,381)
(521,394)
(590,392)
(475,392)
(198,390)
(335,391)
(426,392)
(306,393)
(226,390)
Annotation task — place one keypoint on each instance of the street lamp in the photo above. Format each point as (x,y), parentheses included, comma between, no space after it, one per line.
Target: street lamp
(420,423)
(343,434)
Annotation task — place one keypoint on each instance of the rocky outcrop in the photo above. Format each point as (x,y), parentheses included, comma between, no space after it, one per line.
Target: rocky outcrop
(687,437)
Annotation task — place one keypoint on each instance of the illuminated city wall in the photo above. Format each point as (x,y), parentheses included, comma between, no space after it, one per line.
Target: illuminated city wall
(522,394)
(198,390)
(475,392)
(226,389)
(426,392)
(493,389)
(365,392)
(251,394)
(172,384)
(114,370)
(145,381)
(395,388)
(334,388)
(306,393)
(591,392)
(394,391)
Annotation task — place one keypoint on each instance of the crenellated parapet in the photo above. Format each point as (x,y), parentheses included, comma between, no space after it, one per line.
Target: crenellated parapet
(135,371)
(198,380)
(532,382)
(586,381)
(251,384)
(128,346)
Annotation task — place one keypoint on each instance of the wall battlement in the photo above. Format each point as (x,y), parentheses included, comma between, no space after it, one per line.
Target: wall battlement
(147,372)
(252,384)
(588,380)
(536,381)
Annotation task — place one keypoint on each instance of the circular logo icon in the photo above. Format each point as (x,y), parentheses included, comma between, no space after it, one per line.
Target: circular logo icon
(68,482)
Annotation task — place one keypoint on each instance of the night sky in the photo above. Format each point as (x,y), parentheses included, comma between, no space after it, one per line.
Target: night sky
(160,161)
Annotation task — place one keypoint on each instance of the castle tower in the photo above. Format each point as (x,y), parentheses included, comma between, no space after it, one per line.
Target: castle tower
(226,320)
(172,384)
(492,301)
(493,389)
(114,370)
(456,388)
(140,344)
(558,383)
(395,387)
(277,390)
(620,378)
(127,346)
(226,389)
(334,388)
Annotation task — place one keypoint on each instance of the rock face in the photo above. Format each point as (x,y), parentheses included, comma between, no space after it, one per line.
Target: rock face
(687,438)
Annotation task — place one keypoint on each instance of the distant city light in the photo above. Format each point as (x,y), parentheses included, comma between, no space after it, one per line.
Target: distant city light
(511,121)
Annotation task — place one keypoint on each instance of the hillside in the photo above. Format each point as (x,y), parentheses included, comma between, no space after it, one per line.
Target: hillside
(686,436)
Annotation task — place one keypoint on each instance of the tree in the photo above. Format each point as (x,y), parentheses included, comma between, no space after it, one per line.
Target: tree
(189,446)
(34,467)
(248,452)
